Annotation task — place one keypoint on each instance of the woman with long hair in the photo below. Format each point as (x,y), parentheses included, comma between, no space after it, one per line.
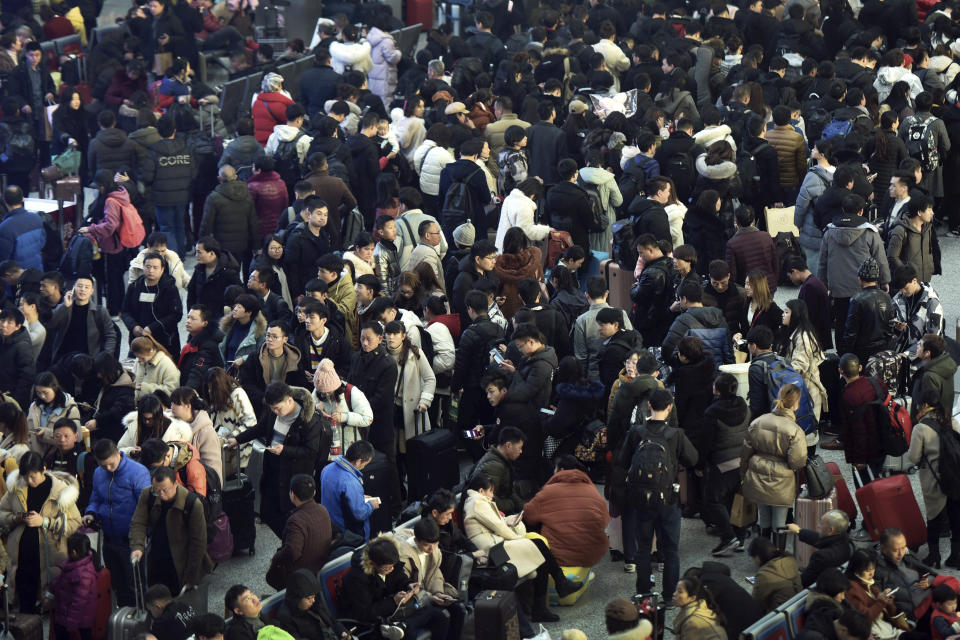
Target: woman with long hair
(684,270)
(577,400)
(943,513)
(187,405)
(114,401)
(717,170)
(865,595)
(149,421)
(410,293)
(429,283)
(409,128)
(778,576)
(388,195)
(50,404)
(231,413)
(103,222)
(762,309)
(802,348)
(154,368)
(272,256)
(14,429)
(699,617)
(518,261)
(567,297)
(70,127)
(774,449)
(884,151)
(704,230)
(899,99)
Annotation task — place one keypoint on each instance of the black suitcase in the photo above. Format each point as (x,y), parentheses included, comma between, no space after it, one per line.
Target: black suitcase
(238,499)
(495,616)
(431,460)
(377,482)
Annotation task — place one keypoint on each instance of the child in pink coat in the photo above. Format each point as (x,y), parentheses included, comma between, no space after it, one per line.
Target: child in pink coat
(75,590)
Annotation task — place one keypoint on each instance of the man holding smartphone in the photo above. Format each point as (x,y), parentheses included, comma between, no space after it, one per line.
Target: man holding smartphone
(909,580)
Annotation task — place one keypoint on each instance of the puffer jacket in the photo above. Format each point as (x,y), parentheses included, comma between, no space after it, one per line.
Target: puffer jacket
(410,132)
(375,374)
(923,313)
(230,217)
(868,327)
(936,374)
(351,54)
(270,200)
(429,164)
(169,169)
(17,365)
(208,290)
(920,249)
(847,242)
(115,495)
(791,152)
(242,152)
(385,56)
(22,238)
(105,231)
(112,150)
(889,76)
(652,296)
(269,110)
(814,184)
(75,592)
(722,178)
(726,421)
(777,581)
(610,198)
(532,381)
(696,621)
(775,447)
(711,328)
(473,352)
(144,139)
(750,249)
(574,518)
(512,268)
(519,210)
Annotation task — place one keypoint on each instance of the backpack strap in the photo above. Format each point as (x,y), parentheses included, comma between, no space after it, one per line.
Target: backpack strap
(406,223)
(423,160)
(347,395)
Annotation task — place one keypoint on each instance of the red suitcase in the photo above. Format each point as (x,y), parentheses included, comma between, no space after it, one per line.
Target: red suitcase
(889,502)
(619,283)
(844,500)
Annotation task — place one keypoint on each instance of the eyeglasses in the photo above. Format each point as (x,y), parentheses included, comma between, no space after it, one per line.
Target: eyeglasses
(271,336)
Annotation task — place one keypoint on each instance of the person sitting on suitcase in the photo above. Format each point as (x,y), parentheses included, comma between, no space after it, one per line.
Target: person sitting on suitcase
(898,569)
(832,543)
(169,619)
(166,512)
(341,490)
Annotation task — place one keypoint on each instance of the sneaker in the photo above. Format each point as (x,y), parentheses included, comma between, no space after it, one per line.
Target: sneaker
(629,567)
(725,545)
(740,545)
(955,232)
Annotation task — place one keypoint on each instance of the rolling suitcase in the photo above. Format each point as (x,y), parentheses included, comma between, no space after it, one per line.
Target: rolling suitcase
(889,502)
(19,626)
(652,608)
(495,616)
(431,459)
(238,499)
(377,482)
(844,499)
(127,622)
(619,283)
(807,513)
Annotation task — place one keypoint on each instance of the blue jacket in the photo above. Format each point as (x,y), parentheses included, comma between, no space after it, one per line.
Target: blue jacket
(341,492)
(115,496)
(706,323)
(22,238)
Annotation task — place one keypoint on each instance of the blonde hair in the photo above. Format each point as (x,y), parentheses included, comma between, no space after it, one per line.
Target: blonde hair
(142,345)
(788,396)
(760,297)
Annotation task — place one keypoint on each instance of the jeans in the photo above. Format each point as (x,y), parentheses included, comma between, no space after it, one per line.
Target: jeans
(813,259)
(771,517)
(720,489)
(226,37)
(431,618)
(639,525)
(170,222)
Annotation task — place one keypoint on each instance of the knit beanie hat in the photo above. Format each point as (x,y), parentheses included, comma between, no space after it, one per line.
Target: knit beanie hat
(326,379)
(465,234)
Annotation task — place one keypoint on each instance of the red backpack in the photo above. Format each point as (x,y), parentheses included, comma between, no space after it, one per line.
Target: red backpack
(894,425)
(131,232)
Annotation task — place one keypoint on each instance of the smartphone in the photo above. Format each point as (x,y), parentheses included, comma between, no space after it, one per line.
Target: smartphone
(472,434)
(497,357)
(894,590)
(549,412)
(751,579)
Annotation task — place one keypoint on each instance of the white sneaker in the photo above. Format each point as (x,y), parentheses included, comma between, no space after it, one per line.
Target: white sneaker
(629,567)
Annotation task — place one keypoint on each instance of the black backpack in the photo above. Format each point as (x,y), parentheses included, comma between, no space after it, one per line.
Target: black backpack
(652,471)
(213,501)
(633,184)
(78,259)
(598,215)
(287,161)
(458,202)
(747,169)
(949,476)
(680,168)
(624,245)
(922,144)
(786,246)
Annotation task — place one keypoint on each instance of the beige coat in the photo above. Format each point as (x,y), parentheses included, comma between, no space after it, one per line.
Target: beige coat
(207,442)
(807,360)
(925,452)
(416,383)
(60,509)
(178,431)
(429,576)
(160,372)
(775,447)
(696,621)
(429,254)
(42,431)
(486,527)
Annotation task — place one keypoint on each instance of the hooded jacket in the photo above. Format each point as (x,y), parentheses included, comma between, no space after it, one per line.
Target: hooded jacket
(936,374)
(269,110)
(532,380)
(777,581)
(242,152)
(429,161)
(351,54)
(302,444)
(722,178)
(111,149)
(519,210)
(75,592)
(283,132)
(270,200)
(920,249)
(725,420)
(169,169)
(113,403)
(611,199)
(573,518)
(366,596)
(316,622)
(650,217)
(923,313)
(847,242)
(815,183)
(208,289)
(230,217)
(775,447)
(709,325)
(385,55)
(705,231)
(889,76)
(791,152)
(511,269)
(159,373)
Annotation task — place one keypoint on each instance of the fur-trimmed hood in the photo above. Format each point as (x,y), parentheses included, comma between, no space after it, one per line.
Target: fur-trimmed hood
(304,398)
(366,564)
(259,324)
(708,136)
(65,489)
(177,425)
(726,169)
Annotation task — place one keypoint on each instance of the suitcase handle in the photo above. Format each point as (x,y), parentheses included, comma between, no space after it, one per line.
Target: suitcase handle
(140,594)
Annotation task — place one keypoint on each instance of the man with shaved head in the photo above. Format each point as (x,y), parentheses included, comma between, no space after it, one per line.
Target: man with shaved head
(230,216)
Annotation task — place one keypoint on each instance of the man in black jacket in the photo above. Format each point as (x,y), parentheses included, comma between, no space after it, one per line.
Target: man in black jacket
(831,540)
(466,170)
(721,292)
(767,192)
(366,166)
(649,214)
(202,350)
(230,216)
(17,364)
(546,144)
(653,293)
(32,82)
(568,206)
(869,324)
(111,149)
(273,306)
(318,84)
(680,143)
(215,271)
(169,169)
(547,317)
(152,304)
(306,243)
(497,463)
(480,261)
(472,358)
(247,610)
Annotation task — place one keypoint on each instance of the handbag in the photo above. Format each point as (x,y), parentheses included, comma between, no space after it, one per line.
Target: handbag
(819,479)
(161,62)
(743,513)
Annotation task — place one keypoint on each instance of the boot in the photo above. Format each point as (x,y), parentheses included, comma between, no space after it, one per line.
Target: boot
(953,561)
(539,612)
(768,534)
(933,549)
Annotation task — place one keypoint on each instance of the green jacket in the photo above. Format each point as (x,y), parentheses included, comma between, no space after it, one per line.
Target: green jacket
(937,374)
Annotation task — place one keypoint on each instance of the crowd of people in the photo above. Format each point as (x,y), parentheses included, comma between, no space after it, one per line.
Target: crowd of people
(549,236)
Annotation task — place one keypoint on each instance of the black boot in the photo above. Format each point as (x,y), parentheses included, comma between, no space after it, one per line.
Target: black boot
(768,534)
(540,612)
(933,551)
(953,561)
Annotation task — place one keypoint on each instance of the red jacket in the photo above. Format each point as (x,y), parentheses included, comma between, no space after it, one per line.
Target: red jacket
(122,87)
(269,110)
(861,442)
(75,590)
(195,474)
(270,198)
(106,232)
(573,516)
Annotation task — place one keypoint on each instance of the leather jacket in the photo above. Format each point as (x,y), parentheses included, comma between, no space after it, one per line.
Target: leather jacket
(869,323)
(652,296)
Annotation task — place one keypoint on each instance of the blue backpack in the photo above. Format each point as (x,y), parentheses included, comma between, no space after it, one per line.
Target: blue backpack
(780,373)
(837,128)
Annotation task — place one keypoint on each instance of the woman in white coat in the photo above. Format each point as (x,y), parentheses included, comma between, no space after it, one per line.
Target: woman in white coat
(487,528)
(605,182)
(416,383)
(802,348)
(428,161)
(231,412)
(351,52)
(385,57)
(342,405)
(519,210)
(408,126)
(149,421)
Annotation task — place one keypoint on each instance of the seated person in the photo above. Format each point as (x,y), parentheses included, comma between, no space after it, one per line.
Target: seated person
(246,613)
(421,557)
(832,543)
(377,585)
(897,568)
(622,619)
(944,621)
(303,614)
(824,606)
(487,527)
(439,507)
(168,618)
(778,578)
(865,595)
